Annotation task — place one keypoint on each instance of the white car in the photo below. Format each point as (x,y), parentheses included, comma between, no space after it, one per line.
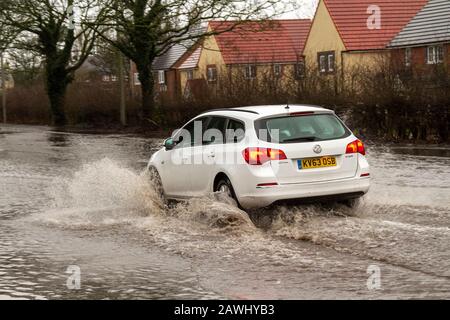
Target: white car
(264,155)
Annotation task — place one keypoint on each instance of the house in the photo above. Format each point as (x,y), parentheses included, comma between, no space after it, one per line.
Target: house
(166,74)
(349,35)
(425,41)
(95,70)
(247,52)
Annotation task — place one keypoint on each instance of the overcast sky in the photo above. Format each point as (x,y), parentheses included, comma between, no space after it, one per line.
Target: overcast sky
(299,9)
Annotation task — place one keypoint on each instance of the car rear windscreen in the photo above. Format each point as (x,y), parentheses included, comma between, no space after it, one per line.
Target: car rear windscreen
(304,128)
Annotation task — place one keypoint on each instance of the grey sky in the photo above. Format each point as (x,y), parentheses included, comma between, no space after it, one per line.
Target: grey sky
(299,9)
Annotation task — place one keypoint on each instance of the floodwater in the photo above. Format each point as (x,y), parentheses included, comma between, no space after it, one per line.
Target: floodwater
(81,201)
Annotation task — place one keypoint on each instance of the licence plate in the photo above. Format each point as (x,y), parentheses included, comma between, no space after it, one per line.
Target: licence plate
(314,163)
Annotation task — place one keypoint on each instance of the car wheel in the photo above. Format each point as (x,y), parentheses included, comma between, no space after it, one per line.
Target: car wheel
(352,203)
(156,182)
(224,186)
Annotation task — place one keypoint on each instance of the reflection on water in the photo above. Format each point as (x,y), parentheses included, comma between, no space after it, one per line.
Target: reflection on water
(57,139)
(77,199)
(422,151)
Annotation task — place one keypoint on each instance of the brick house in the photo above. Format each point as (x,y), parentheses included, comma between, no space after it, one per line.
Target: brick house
(355,34)
(166,75)
(247,52)
(424,43)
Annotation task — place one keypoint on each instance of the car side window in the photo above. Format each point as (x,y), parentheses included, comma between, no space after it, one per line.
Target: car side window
(214,133)
(235,131)
(186,137)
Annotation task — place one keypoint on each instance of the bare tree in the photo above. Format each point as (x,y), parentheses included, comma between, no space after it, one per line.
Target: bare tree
(7,34)
(62,32)
(146,29)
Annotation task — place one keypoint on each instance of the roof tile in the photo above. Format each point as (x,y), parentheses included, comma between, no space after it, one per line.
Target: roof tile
(350,18)
(254,42)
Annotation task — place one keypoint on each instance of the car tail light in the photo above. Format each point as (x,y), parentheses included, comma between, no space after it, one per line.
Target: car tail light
(356,147)
(259,156)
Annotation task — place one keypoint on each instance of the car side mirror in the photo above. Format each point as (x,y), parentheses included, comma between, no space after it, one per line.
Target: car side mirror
(169,144)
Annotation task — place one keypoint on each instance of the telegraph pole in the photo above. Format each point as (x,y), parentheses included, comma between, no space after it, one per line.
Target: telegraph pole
(3,87)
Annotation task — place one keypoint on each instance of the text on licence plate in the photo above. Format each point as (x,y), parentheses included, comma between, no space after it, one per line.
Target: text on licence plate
(314,163)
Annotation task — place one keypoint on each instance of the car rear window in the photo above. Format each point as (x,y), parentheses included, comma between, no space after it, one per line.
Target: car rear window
(305,128)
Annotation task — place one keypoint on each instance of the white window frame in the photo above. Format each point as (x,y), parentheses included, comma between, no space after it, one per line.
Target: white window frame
(277,70)
(161,77)
(327,62)
(440,54)
(435,54)
(331,62)
(211,73)
(408,57)
(250,72)
(431,55)
(136,80)
(323,63)
(190,74)
(300,70)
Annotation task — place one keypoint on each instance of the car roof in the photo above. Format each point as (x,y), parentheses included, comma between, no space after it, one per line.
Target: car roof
(259,112)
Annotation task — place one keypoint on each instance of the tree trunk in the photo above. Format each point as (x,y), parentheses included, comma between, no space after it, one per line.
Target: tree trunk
(57,82)
(148,91)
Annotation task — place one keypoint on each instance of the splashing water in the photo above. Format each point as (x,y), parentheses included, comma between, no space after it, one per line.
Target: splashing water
(105,184)
(106,193)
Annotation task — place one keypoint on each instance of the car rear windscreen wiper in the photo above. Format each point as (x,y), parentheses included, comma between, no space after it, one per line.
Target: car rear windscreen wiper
(302,139)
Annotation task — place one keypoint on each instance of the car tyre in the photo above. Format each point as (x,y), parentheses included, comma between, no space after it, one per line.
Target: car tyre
(156,182)
(224,186)
(352,203)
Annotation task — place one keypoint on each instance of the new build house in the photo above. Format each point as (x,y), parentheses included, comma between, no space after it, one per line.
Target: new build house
(352,34)
(248,52)
(424,42)
(165,69)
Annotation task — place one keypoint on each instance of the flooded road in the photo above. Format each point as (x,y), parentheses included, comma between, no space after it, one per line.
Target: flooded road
(77,200)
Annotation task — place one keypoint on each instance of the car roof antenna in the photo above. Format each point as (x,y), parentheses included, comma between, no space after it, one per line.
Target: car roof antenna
(287,107)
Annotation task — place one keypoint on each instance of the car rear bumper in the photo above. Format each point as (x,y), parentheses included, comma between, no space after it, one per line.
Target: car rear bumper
(309,192)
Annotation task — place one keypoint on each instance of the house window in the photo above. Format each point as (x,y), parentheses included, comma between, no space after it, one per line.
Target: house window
(326,61)
(323,63)
(440,54)
(408,56)
(250,72)
(190,74)
(331,62)
(136,80)
(161,77)
(114,78)
(300,70)
(212,73)
(278,70)
(106,78)
(435,54)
